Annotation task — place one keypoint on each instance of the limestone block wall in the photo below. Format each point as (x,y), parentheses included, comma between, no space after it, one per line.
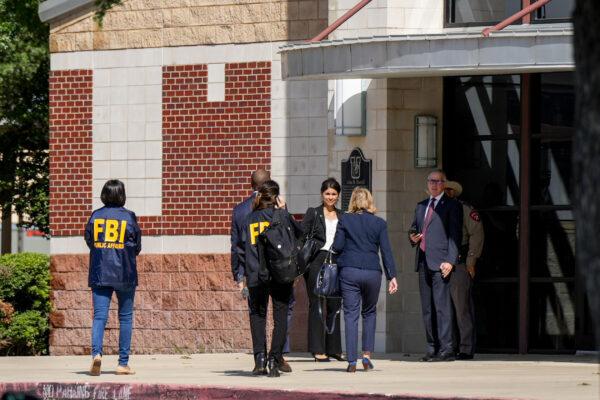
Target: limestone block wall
(407,98)
(388,17)
(160,23)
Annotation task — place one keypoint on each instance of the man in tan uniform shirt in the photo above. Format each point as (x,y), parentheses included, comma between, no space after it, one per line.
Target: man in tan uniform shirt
(461,280)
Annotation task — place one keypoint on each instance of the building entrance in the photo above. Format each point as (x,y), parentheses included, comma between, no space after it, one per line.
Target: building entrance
(508,139)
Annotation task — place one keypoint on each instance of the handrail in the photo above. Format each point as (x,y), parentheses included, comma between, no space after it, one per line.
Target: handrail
(339,21)
(517,16)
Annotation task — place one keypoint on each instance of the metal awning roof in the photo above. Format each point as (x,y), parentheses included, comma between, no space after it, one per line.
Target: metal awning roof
(458,51)
(53,9)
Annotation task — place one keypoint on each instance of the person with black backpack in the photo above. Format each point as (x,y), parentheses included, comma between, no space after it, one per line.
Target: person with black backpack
(268,259)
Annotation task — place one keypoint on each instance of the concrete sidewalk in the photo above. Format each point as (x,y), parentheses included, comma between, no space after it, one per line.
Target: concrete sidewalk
(487,377)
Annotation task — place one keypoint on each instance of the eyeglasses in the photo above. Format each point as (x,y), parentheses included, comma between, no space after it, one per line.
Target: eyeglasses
(435,181)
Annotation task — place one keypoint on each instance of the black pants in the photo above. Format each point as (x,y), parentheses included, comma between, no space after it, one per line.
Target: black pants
(259,300)
(319,342)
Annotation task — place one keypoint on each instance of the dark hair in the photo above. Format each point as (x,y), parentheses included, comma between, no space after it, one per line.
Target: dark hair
(266,196)
(331,183)
(113,193)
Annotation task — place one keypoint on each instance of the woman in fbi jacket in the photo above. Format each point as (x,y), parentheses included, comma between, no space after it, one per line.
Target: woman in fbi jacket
(114,239)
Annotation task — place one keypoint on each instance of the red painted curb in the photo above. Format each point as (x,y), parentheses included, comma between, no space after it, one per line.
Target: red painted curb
(141,391)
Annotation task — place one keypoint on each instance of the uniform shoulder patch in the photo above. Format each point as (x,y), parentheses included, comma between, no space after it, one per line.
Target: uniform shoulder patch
(475,216)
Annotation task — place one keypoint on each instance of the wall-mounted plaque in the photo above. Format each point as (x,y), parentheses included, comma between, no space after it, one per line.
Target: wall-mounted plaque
(356,171)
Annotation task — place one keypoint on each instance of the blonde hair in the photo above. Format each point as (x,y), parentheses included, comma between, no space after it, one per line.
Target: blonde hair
(361,200)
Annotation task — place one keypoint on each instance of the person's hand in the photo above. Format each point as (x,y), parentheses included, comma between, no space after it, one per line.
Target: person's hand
(415,237)
(446,269)
(241,285)
(471,271)
(392,286)
(280,202)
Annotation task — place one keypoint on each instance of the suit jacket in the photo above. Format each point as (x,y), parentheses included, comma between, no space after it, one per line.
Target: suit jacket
(309,219)
(444,233)
(238,219)
(359,238)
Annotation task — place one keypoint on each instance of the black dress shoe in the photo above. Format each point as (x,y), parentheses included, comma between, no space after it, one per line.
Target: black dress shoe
(464,356)
(428,357)
(445,357)
(321,357)
(273,367)
(338,357)
(260,364)
(283,366)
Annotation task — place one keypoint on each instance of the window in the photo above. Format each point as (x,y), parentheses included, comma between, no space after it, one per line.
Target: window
(350,112)
(480,12)
(490,12)
(555,10)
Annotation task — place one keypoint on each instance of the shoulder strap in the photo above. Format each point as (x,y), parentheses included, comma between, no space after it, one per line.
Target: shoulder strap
(329,329)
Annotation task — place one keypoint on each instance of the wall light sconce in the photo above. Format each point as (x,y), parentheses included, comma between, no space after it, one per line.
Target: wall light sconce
(425,141)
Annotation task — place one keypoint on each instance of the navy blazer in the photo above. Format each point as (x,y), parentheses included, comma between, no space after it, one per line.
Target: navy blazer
(238,219)
(359,238)
(444,234)
(114,239)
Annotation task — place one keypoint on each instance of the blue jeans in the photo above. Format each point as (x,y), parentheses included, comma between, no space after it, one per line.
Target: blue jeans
(101,301)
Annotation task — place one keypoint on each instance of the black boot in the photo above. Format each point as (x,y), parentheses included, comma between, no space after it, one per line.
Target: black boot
(273,366)
(260,364)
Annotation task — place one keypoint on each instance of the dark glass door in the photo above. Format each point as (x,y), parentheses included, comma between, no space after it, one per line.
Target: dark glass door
(555,294)
(482,150)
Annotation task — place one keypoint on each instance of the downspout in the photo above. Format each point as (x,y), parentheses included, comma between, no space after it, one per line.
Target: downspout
(327,31)
(524,13)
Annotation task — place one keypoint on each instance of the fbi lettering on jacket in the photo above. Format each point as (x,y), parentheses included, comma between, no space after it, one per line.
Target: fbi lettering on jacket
(256,229)
(109,233)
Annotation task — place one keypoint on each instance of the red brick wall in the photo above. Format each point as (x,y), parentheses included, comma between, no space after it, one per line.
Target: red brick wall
(183,303)
(70,151)
(211,148)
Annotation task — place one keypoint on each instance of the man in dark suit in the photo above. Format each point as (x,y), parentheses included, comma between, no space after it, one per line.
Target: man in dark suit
(436,232)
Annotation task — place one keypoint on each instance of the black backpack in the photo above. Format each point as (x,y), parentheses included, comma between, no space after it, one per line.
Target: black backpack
(279,245)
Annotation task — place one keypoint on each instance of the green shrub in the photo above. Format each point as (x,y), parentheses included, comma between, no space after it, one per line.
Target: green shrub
(25,286)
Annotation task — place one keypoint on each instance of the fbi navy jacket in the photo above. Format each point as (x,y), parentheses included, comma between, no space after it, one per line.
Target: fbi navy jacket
(247,250)
(114,239)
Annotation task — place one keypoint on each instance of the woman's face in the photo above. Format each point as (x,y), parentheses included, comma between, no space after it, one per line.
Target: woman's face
(330,197)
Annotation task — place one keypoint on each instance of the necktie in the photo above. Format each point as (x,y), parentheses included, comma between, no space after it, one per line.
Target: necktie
(428,217)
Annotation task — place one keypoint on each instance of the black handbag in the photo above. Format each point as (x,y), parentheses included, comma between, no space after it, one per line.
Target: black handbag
(328,280)
(328,286)
(309,248)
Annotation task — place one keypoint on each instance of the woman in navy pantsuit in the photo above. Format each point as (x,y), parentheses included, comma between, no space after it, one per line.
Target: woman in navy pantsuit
(359,237)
